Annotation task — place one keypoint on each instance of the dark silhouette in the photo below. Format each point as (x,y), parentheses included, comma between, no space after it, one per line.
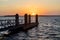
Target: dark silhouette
(36,18)
(26,18)
(21,27)
(29,18)
(16,20)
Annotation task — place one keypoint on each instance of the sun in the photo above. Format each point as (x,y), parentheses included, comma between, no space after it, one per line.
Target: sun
(33,13)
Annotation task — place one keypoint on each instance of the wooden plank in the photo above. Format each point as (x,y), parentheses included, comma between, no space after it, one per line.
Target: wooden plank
(21,27)
(30,26)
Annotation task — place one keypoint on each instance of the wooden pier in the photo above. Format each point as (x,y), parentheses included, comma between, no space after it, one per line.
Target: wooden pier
(21,27)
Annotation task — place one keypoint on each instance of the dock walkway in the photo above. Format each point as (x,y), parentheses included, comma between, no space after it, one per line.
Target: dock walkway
(21,27)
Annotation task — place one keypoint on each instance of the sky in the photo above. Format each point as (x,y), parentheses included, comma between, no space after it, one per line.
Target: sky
(40,7)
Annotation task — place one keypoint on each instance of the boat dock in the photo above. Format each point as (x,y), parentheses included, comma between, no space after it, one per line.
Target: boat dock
(13,29)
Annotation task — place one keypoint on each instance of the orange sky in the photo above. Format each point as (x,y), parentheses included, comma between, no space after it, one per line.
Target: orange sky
(40,7)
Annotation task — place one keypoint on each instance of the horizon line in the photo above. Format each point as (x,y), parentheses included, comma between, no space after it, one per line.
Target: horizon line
(31,15)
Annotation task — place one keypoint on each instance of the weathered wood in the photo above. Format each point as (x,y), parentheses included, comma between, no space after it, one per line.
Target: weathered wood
(29,18)
(21,27)
(29,26)
(36,18)
(25,18)
(16,20)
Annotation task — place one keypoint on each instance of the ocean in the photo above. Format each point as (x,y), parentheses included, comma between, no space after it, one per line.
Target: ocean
(48,29)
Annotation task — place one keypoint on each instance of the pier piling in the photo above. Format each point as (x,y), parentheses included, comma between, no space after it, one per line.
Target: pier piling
(21,27)
(29,18)
(36,18)
(25,18)
(16,20)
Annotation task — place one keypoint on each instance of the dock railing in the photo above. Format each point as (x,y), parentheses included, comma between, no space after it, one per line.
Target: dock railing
(17,21)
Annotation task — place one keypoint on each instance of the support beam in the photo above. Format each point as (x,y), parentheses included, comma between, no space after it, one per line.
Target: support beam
(25,19)
(29,18)
(36,18)
(16,20)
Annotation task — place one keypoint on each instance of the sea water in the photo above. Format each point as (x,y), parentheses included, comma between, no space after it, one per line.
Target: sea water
(48,29)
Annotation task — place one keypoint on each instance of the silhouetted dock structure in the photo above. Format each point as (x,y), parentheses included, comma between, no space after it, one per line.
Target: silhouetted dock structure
(17,27)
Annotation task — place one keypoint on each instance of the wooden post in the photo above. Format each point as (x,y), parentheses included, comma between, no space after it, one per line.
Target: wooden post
(29,18)
(36,18)
(16,20)
(25,18)
(37,25)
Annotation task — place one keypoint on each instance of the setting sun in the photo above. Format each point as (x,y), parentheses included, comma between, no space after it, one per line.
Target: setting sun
(33,10)
(33,13)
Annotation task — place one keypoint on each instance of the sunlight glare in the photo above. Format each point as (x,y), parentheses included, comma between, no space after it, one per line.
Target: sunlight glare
(33,13)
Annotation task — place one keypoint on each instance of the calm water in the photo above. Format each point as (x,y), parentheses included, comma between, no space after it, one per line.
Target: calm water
(48,29)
